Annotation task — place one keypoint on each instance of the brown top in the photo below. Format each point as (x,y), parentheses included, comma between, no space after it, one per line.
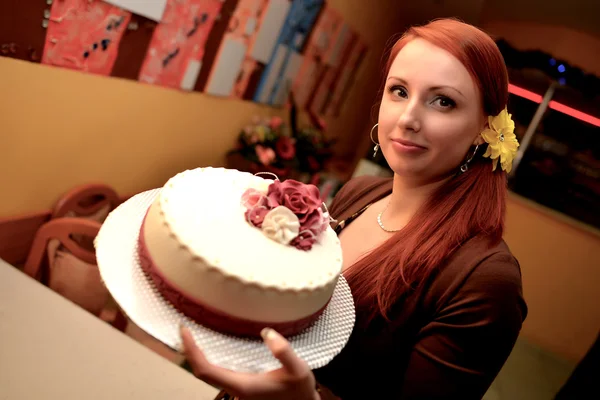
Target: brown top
(446,342)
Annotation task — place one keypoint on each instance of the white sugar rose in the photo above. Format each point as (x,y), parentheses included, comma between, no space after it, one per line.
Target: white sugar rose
(281,225)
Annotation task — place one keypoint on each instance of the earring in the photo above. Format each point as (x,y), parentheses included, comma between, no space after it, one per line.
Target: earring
(376,148)
(465,166)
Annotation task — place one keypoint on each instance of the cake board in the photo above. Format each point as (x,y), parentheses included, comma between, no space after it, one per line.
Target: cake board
(134,292)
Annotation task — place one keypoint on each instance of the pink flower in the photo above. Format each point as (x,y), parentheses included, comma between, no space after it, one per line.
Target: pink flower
(303,242)
(315,222)
(256,215)
(266,155)
(275,122)
(302,199)
(285,148)
(298,198)
(253,197)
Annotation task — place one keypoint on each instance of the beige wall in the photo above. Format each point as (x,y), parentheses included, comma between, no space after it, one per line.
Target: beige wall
(560,263)
(60,128)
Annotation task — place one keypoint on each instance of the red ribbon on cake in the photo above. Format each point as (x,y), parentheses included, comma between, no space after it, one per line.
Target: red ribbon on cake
(208,316)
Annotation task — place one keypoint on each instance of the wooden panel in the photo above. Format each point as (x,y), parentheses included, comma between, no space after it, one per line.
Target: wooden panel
(213,42)
(133,47)
(21,32)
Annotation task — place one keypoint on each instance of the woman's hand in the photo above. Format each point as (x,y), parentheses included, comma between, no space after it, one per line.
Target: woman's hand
(294,381)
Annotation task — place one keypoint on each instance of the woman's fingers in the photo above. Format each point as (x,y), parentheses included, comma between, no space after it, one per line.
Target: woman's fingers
(282,350)
(295,371)
(211,374)
(235,383)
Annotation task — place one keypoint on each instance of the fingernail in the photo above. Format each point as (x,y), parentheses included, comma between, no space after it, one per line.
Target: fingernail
(267,333)
(183,328)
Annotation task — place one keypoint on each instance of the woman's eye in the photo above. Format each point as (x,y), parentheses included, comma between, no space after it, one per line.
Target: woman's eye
(398,91)
(444,102)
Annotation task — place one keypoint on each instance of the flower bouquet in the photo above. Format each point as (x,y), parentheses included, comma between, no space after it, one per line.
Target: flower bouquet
(262,146)
(268,145)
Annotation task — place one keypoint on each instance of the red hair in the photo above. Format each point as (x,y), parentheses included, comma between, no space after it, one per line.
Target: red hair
(467,205)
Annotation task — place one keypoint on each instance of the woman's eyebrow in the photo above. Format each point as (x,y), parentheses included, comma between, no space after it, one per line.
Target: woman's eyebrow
(433,88)
(447,87)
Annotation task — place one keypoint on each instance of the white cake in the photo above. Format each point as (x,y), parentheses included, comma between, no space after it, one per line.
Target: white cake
(218,268)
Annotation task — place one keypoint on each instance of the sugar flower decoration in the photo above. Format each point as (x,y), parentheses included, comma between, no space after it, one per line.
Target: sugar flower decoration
(281,225)
(290,212)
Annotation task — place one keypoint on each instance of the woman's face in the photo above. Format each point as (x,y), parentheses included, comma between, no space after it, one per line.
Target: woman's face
(430,114)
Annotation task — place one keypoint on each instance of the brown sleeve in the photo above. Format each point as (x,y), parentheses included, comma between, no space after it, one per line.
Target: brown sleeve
(343,198)
(460,352)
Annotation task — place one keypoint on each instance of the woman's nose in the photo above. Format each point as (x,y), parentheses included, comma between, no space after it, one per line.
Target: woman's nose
(409,118)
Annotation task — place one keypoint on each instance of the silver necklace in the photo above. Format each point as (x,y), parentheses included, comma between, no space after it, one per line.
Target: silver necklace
(381,223)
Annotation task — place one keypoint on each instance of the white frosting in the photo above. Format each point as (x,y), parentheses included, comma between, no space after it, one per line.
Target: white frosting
(198,237)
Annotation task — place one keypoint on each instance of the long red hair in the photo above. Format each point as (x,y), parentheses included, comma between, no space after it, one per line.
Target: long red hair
(467,205)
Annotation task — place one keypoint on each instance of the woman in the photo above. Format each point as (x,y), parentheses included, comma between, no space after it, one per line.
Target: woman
(437,292)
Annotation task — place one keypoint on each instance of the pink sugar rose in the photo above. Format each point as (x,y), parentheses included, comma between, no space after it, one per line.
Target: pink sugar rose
(300,198)
(315,222)
(253,197)
(303,242)
(296,203)
(255,202)
(256,215)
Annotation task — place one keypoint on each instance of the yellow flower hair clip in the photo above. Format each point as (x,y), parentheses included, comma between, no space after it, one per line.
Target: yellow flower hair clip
(501,140)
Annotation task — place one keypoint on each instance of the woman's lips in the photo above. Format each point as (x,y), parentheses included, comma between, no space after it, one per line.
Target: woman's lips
(407,146)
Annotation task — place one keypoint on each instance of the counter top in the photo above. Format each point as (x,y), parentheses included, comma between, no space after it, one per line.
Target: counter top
(52,349)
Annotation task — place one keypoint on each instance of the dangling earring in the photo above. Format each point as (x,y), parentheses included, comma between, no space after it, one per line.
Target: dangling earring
(376,148)
(465,166)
